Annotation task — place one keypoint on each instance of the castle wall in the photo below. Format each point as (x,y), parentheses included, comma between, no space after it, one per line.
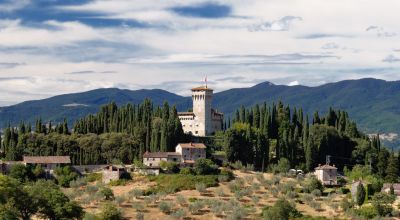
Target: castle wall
(203,120)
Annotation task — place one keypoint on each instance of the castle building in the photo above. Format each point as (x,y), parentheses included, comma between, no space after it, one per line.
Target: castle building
(203,120)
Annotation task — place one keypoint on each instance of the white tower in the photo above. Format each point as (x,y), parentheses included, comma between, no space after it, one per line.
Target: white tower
(202,97)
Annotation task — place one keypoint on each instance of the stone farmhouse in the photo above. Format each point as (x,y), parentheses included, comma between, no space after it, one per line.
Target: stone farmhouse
(203,120)
(185,154)
(327,174)
(48,163)
(112,172)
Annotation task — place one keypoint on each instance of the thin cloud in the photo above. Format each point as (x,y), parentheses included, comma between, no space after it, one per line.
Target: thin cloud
(391,59)
(282,24)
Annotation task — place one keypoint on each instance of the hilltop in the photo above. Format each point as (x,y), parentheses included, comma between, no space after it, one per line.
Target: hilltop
(374,104)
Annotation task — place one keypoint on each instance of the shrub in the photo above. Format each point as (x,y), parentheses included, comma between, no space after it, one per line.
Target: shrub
(343,190)
(89,216)
(274,191)
(345,204)
(120,199)
(382,202)
(165,207)
(21,173)
(275,180)
(247,168)
(204,166)
(64,175)
(255,199)
(138,206)
(177,182)
(107,193)
(187,171)
(181,200)
(249,179)
(223,178)
(282,209)
(315,205)
(38,172)
(307,198)
(179,214)
(237,213)
(91,189)
(220,192)
(291,194)
(368,212)
(260,177)
(169,167)
(195,207)
(341,181)
(110,212)
(316,193)
(217,207)
(312,184)
(92,177)
(283,166)
(119,182)
(139,216)
(78,183)
(237,165)
(201,188)
(227,173)
(136,193)
(236,185)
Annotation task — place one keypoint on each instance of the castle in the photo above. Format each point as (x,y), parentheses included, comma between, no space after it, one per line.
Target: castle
(203,120)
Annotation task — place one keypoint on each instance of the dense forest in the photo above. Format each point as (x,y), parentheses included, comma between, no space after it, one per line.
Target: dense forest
(281,132)
(260,136)
(113,134)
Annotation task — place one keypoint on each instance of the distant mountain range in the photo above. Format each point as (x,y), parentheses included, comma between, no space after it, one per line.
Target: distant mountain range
(373,103)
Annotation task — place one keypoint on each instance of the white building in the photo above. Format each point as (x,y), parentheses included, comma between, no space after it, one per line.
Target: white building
(185,154)
(153,159)
(203,120)
(326,174)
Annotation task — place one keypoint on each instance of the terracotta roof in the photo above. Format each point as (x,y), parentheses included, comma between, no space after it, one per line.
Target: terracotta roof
(202,88)
(326,167)
(159,154)
(185,113)
(192,145)
(47,159)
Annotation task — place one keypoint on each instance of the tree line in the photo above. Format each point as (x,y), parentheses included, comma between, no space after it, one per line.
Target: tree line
(114,133)
(262,135)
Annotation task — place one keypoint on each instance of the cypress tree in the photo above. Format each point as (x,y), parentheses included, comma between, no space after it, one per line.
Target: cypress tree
(310,155)
(392,169)
(360,194)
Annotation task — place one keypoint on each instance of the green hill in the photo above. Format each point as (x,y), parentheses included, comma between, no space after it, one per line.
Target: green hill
(373,103)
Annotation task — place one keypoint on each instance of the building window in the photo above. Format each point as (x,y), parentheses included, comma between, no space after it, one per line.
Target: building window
(196,132)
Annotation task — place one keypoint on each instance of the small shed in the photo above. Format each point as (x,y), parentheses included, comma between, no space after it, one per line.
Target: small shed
(112,172)
(327,174)
(396,187)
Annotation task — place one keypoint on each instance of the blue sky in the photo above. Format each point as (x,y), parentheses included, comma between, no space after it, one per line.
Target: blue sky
(50,47)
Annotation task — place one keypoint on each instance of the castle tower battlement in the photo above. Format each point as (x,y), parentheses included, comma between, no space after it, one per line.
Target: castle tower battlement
(203,120)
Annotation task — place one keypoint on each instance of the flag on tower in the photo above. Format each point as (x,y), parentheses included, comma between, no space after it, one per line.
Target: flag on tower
(205,80)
